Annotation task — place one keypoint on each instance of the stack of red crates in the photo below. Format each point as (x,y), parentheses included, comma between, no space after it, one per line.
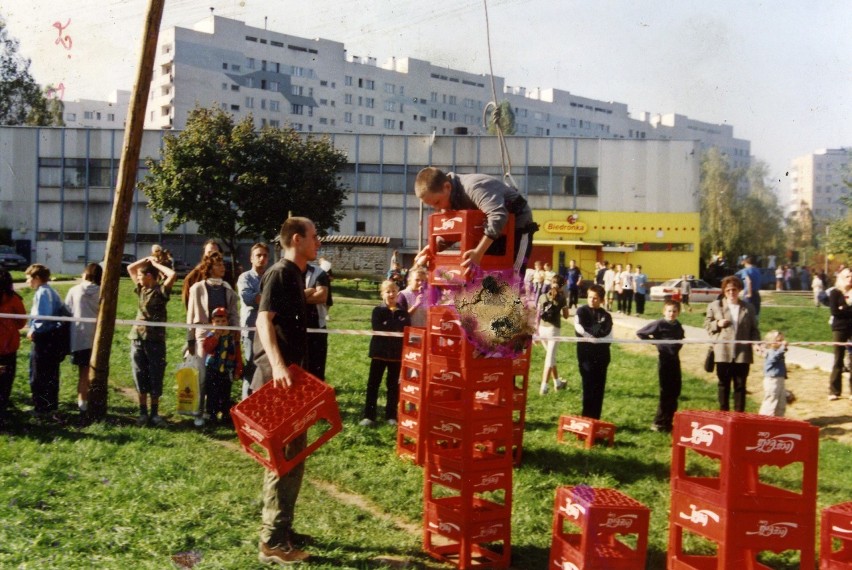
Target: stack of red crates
(729,501)
(468,427)
(409,434)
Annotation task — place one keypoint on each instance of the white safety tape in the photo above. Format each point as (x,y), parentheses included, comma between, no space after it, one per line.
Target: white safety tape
(566,339)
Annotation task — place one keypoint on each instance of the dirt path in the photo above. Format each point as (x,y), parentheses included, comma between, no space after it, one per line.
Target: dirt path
(810,387)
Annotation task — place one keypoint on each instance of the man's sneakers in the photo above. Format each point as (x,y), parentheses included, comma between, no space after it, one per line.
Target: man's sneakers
(281,554)
(558,384)
(561,384)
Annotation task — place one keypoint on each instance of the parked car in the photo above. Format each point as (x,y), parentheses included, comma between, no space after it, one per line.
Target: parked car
(126,260)
(702,292)
(11,259)
(181,268)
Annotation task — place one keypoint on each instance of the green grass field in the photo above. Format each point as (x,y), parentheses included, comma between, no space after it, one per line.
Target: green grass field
(114,496)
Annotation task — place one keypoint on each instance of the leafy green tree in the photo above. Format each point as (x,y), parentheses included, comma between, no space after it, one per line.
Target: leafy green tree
(839,239)
(504,116)
(22,101)
(239,183)
(801,231)
(719,220)
(761,216)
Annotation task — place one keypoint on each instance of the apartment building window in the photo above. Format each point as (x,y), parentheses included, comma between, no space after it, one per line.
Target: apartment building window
(347,117)
(587,181)
(433,113)
(263,65)
(88,115)
(360,101)
(323,101)
(433,97)
(274,123)
(297,126)
(262,123)
(370,103)
(539,131)
(224,87)
(370,120)
(390,124)
(538,115)
(235,107)
(453,117)
(250,82)
(347,98)
(274,86)
(275,106)
(250,102)
(71,116)
(263,104)
(310,111)
(296,109)
(250,63)
(390,88)
(370,84)
(452,100)
(235,87)
(323,121)
(347,80)
(295,89)
(224,65)
(390,106)
(235,67)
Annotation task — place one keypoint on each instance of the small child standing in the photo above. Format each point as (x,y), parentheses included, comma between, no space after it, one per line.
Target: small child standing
(774,374)
(668,365)
(222,364)
(385,353)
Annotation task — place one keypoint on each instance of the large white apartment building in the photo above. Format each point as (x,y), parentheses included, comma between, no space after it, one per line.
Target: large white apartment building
(95,114)
(315,85)
(817,182)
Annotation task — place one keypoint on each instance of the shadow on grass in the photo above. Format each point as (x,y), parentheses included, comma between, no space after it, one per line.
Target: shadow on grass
(582,461)
(350,556)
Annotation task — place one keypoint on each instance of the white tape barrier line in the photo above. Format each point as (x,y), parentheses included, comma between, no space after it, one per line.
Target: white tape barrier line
(568,339)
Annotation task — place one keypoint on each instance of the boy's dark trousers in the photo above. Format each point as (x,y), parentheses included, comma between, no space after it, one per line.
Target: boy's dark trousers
(668,368)
(374,380)
(217,385)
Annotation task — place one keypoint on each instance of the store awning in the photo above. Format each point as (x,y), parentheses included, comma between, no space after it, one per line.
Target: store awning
(567,242)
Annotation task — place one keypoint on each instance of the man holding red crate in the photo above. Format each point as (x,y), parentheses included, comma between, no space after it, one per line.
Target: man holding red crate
(449,191)
(282,340)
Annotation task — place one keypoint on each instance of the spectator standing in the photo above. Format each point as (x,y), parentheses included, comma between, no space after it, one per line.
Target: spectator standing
(841,329)
(449,191)
(537,279)
(148,344)
(10,339)
(318,298)
(729,319)
(204,297)
(83,300)
(552,308)
(640,280)
(223,362)
(668,365)
(601,272)
(385,354)
(805,279)
(685,291)
(609,286)
(211,246)
(573,280)
(248,289)
(627,288)
(774,375)
(282,340)
(750,278)
(818,286)
(616,286)
(412,299)
(592,321)
(779,278)
(45,356)
(788,277)
(396,274)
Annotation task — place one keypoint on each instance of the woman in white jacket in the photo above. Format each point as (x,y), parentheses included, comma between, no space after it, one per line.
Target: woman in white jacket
(83,300)
(204,296)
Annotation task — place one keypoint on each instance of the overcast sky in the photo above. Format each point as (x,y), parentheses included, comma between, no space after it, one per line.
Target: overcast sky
(779,71)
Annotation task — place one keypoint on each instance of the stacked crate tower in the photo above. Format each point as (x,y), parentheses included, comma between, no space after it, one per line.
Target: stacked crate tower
(467,414)
(737,503)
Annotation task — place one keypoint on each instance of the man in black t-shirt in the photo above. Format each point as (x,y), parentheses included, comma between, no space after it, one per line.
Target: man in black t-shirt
(281,340)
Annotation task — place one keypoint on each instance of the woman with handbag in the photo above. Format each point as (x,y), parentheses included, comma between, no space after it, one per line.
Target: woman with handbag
(730,319)
(46,354)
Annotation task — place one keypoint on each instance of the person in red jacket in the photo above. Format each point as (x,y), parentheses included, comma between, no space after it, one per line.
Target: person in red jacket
(10,339)
(223,363)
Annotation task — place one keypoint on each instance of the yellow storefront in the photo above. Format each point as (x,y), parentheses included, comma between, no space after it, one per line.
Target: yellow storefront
(666,245)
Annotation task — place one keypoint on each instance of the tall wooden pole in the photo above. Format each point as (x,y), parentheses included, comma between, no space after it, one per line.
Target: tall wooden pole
(125,186)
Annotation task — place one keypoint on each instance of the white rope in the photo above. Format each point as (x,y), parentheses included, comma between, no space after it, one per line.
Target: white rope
(360,332)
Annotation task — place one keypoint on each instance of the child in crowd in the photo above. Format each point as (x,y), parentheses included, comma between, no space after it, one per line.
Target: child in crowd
(385,354)
(10,339)
(668,365)
(774,375)
(685,291)
(552,308)
(592,321)
(413,298)
(83,300)
(148,344)
(223,363)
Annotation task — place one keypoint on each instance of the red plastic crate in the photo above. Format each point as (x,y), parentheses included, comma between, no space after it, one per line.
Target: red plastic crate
(272,417)
(836,525)
(587,429)
(481,374)
(413,346)
(466,479)
(479,426)
(521,363)
(602,516)
(742,444)
(475,537)
(472,454)
(739,535)
(409,441)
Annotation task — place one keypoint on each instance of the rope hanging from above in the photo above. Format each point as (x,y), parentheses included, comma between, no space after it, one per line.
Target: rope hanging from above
(496,113)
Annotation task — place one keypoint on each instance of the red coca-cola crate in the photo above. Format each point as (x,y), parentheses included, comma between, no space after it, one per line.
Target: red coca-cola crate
(467,480)
(472,427)
(413,347)
(521,363)
(473,454)
(739,535)
(467,536)
(274,416)
(740,445)
(591,525)
(474,374)
(409,441)
(587,429)
(836,528)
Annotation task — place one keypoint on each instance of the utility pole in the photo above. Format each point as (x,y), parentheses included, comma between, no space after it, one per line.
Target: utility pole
(125,186)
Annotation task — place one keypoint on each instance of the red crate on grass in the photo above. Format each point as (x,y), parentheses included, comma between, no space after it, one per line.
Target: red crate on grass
(466,479)
(587,429)
(743,444)
(836,526)
(413,346)
(476,535)
(601,518)
(272,417)
(739,535)
(409,441)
